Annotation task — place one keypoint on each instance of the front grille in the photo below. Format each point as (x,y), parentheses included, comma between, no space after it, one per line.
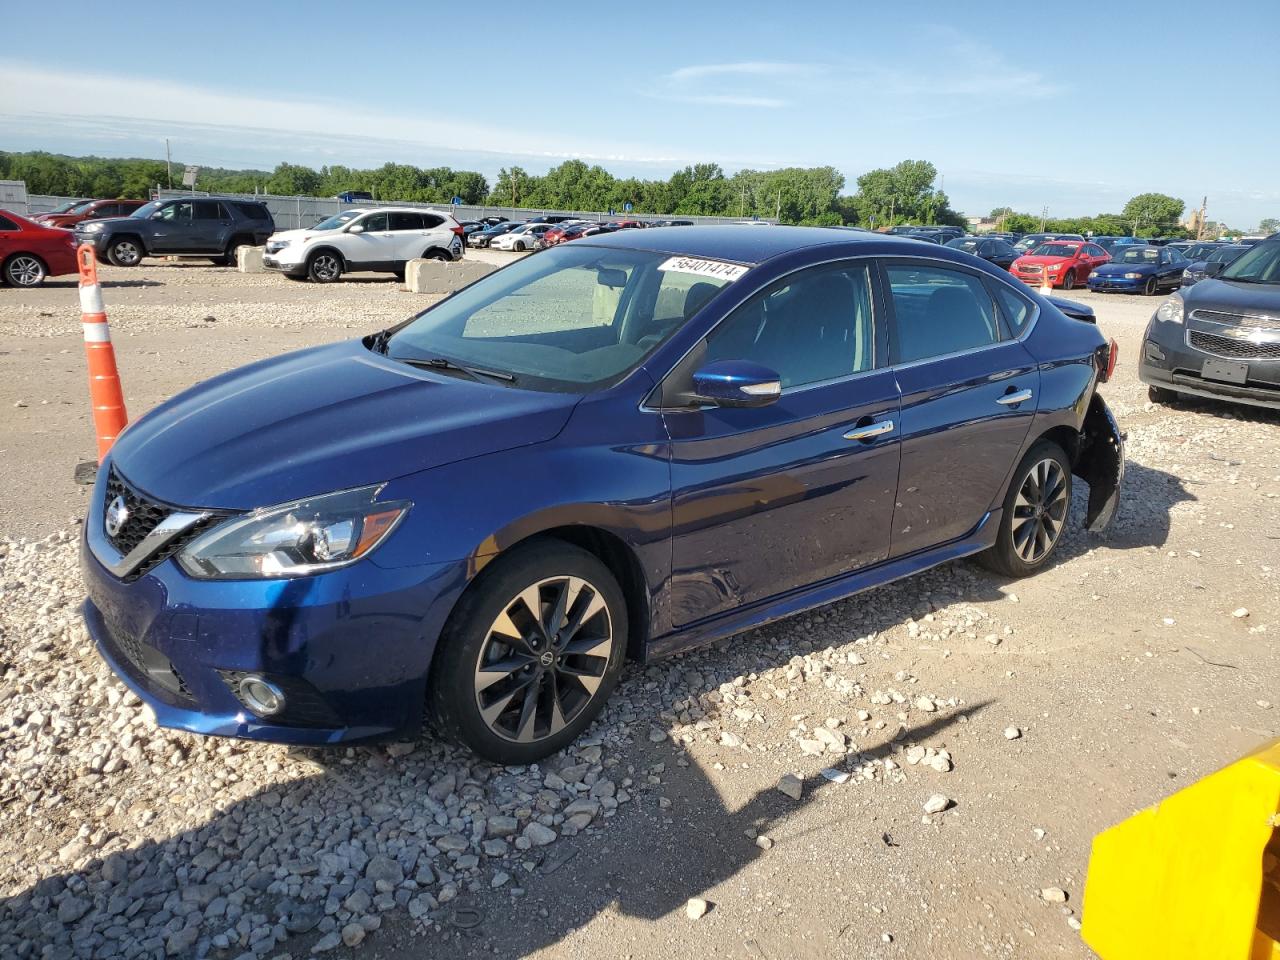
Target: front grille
(1237,319)
(1030,268)
(145,514)
(1233,348)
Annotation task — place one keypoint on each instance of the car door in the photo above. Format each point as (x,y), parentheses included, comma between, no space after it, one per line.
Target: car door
(10,235)
(1172,266)
(968,398)
(408,235)
(770,499)
(169,227)
(211,226)
(372,248)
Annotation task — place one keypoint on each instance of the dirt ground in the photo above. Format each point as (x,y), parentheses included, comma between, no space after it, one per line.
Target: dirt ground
(1141,660)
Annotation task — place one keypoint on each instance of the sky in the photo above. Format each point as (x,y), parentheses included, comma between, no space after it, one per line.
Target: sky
(1107,100)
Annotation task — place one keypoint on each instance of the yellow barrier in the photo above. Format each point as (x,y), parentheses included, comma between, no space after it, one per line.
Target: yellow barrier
(1197,876)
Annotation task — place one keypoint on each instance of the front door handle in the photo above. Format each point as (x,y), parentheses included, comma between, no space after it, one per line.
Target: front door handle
(870,431)
(1022,396)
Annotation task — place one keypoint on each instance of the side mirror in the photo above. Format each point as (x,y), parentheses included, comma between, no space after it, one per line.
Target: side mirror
(355,228)
(736,383)
(1214,267)
(158,215)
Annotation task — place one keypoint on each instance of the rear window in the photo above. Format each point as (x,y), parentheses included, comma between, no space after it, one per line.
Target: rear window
(254,211)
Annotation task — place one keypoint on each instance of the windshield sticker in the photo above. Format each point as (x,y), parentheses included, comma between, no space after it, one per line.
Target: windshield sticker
(704,268)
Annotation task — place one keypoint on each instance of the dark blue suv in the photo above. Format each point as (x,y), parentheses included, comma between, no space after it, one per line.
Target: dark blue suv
(621,447)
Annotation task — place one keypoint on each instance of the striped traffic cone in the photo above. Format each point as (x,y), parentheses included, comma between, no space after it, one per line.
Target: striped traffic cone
(105,394)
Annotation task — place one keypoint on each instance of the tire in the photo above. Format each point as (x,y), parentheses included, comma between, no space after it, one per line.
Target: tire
(519,246)
(1032,521)
(1160,395)
(1069,281)
(1151,287)
(228,259)
(125,252)
(324,266)
(24,270)
(436,255)
(494,715)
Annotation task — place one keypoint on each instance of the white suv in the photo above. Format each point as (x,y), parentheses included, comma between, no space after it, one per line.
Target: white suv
(384,239)
(527,236)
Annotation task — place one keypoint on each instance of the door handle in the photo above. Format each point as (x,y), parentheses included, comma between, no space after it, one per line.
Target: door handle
(870,431)
(1022,396)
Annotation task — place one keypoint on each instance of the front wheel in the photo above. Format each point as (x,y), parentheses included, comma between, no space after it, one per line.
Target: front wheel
(519,246)
(1069,280)
(324,267)
(1035,513)
(1150,288)
(125,253)
(1160,395)
(24,270)
(530,655)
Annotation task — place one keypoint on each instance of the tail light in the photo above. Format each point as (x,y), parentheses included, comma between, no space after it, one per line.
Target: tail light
(458,230)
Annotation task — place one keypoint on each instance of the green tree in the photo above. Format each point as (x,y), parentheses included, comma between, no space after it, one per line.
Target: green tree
(1155,211)
(1268,226)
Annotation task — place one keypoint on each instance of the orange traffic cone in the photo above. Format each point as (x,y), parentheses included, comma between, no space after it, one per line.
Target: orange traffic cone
(105,394)
(1046,283)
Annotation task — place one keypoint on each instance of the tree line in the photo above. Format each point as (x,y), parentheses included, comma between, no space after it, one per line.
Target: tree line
(904,193)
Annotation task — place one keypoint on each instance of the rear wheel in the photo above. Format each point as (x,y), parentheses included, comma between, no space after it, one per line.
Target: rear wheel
(531,653)
(1035,513)
(436,255)
(125,252)
(324,267)
(24,270)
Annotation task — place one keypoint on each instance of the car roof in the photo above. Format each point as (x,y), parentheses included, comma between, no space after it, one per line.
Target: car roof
(748,245)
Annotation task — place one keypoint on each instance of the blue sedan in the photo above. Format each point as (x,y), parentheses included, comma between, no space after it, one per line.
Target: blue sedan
(1140,269)
(618,448)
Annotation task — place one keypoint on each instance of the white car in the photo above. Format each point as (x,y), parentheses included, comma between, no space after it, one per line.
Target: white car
(384,239)
(525,237)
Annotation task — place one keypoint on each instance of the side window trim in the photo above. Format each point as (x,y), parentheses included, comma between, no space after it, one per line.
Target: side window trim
(891,315)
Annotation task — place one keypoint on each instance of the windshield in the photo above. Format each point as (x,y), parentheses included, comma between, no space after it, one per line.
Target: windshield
(1139,255)
(337,220)
(146,210)
(1056,250)
(1259,264)
(1223,254)
(572,318)
(71,206)
(963,243)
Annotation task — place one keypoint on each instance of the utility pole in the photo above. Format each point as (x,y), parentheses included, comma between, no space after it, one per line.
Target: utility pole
(778,214)
(168,162)
(1044,215)
(742,203)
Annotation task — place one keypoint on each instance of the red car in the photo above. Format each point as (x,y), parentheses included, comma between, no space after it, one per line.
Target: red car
(1067,263)
(566,231)
(68,215)
(29,251)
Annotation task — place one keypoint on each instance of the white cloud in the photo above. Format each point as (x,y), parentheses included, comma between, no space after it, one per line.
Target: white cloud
(750,68)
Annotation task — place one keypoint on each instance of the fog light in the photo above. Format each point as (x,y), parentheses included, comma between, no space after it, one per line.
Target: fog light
(261,696)
(1153,352)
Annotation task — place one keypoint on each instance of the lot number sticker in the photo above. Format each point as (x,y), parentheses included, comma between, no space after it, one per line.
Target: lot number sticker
(704,268)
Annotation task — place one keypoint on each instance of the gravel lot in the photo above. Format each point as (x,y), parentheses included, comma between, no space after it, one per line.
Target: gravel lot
(1025,717)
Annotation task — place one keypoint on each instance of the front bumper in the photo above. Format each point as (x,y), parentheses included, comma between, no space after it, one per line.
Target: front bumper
(350,649)
(1105,284)
(1170,360)
(289,269)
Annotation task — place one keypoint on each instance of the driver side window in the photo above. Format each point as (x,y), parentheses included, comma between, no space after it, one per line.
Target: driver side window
(810,327)
(374,223)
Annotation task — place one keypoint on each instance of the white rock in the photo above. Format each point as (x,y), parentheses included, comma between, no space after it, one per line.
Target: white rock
(937,803)
(1053,895)
(1012,733)
(696,908)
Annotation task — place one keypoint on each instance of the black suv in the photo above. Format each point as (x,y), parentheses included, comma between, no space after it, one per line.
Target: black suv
(1221,337)
(187,226)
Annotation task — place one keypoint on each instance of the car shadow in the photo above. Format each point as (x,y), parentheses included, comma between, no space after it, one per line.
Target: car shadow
(644,862)
(61,284)
(1224,409)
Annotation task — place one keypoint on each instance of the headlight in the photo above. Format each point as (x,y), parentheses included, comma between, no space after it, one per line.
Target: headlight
(94,227)
(1171,310)
(295,539)
(1133,276)
(1055,268)
(1093,274)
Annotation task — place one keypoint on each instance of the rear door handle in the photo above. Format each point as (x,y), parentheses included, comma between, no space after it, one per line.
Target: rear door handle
(1022,396)
(870,431)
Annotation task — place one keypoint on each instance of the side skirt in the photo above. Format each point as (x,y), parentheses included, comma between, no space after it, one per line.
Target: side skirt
(785,605)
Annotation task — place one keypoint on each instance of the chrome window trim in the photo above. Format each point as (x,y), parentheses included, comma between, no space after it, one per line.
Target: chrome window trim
(877,260)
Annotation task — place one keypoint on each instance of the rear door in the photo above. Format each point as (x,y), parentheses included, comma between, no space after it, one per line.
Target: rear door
(771,499)
(211,226)
(968,398)
(408,235)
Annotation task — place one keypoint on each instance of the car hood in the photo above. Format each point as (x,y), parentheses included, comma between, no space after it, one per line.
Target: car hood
(1228,296)
(303,234)
(1115,269)
(1043,261)
(328,418)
